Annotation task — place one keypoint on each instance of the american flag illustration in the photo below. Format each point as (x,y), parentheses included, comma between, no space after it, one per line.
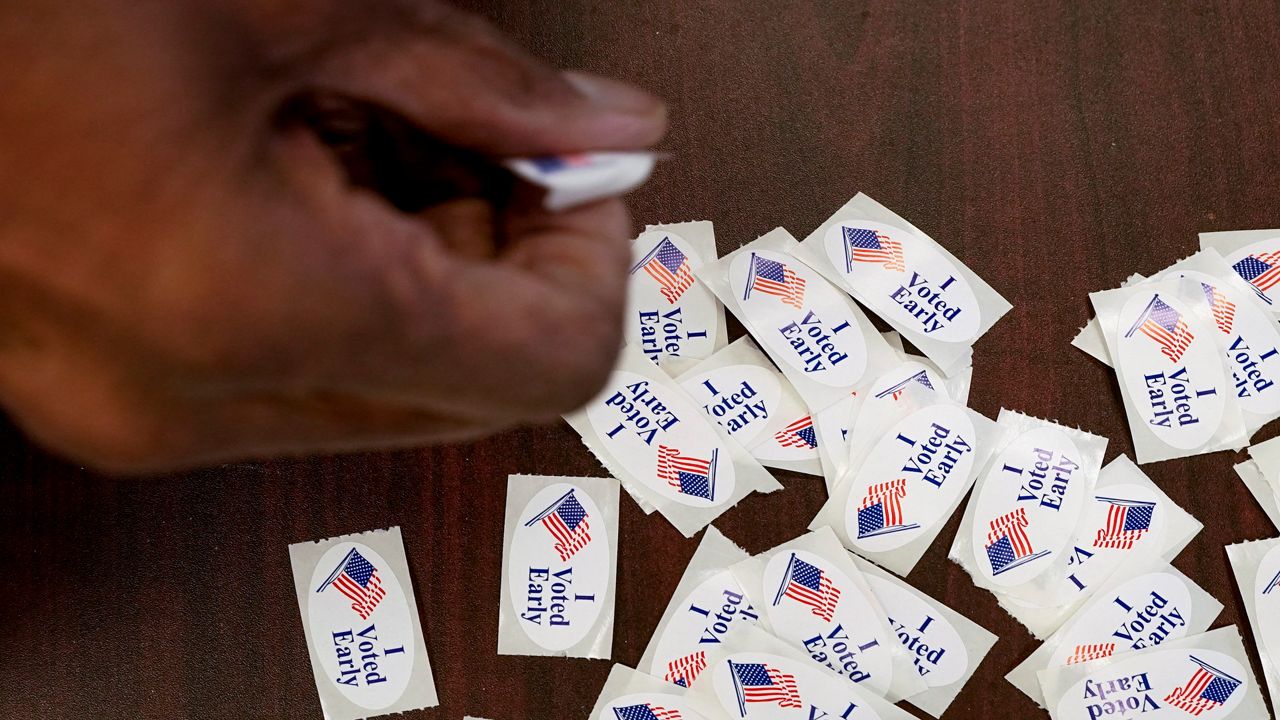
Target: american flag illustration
(1224,311)
(1165,326)
(566,520)
(1085,653)
(688,475)
(808,585)
(357,578)
(760,683)
(868,246)
(1262,272)
(881,510)
(550,164)
(1127,522)
(799,434)
(647,711)
(1275,583)
(669,268)
(774,278)
(1207,688)
(684,670)
(1008,546)
(895,392)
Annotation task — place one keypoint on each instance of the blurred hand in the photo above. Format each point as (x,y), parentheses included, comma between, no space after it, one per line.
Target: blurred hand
(204,255)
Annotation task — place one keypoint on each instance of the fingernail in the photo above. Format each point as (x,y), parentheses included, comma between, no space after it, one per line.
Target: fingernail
(614,95)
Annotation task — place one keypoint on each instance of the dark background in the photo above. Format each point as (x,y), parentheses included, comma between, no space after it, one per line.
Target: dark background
(1056,147)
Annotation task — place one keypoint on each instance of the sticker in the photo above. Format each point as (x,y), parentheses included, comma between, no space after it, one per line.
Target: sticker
(815,334)
(1127,514)
(1259,265)
(755,676)
(669,313)
(631,695)
(1203,675)
(946,646)
(1256,566)
(707,606)
(361,624)
(1148,604)
(1026,507)
(559,566)
(813,596)
(906,278)
(892,507)
(579,178)
(741,391)
(669,456)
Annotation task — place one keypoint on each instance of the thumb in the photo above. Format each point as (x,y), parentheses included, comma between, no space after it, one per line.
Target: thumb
(462,82)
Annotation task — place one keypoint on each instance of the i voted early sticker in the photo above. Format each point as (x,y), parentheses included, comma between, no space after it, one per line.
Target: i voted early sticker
(559,566)
(361,624)
(670,314)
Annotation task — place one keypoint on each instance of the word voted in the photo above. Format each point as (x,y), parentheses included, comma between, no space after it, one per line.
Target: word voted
(1150,623)
(838,653)
(642,412)
(924,302)
(1119,696)
(358,657)
(1037,485)
(926,658)
(1248,376)
(1172,399)
(664,333)
(736,409)
(940,448)
(718,624)
(813,343)
(550,595)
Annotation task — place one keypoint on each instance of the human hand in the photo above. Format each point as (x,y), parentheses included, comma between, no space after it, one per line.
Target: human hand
(201,253)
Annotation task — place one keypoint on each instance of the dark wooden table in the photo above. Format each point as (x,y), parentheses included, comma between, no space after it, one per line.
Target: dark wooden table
(1055,147)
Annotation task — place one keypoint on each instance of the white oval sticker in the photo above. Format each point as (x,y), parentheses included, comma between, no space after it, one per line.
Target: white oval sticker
(910,478)
(762,686)
(361,625)
(648,706)
(1028,506)
(1175,379)
(640,422)
(558,574)
(1252,343)
(798,315)
(1267,601)
(1170,683)
(817,605)
(705,617)
(938,652)
(1259,265)
(669,313)
(739,398)
(904,279)
(1142,613)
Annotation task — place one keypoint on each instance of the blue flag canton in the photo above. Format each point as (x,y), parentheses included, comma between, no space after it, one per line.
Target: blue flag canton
(752,674)
(1001,554)
(770,269)
(870,519)
(359,569)
(802,573)
(862,238)
(695,484)
(1138,517)
(1250,267)
(635,712)
(1165,316)
(809,436)
(571,512)
(1219,689)
(670,256)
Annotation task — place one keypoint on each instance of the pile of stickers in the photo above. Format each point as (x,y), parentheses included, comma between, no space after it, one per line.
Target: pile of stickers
(824,626)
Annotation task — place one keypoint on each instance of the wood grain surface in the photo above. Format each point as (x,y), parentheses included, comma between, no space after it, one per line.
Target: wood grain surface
(1056,147)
